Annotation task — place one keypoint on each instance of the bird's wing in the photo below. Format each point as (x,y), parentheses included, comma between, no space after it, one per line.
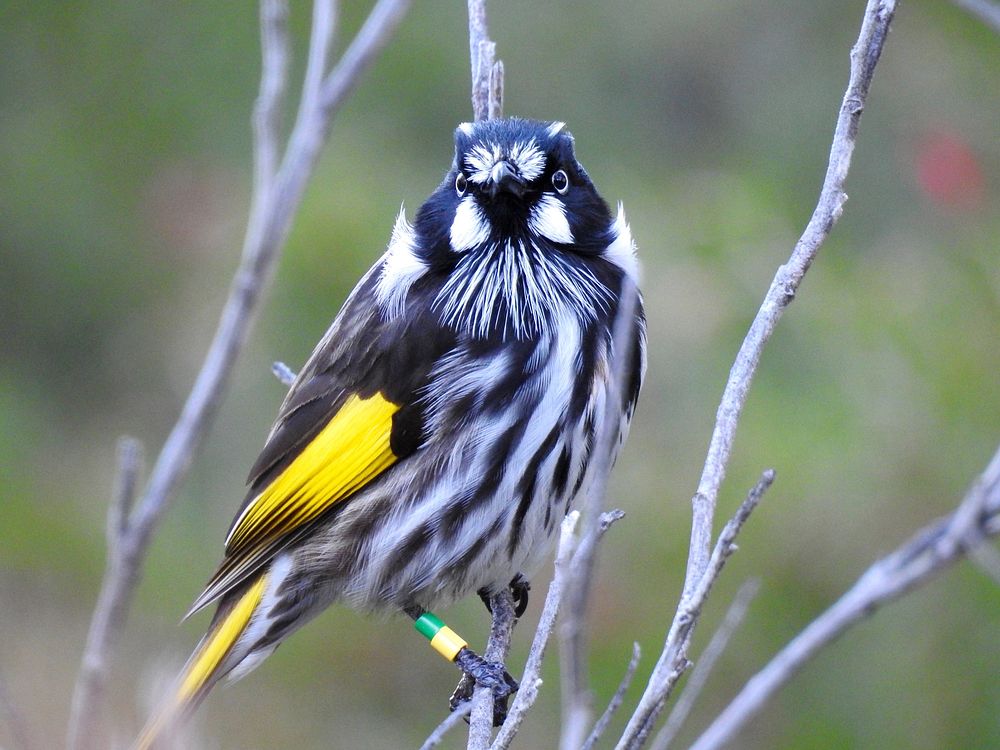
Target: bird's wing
(353,412)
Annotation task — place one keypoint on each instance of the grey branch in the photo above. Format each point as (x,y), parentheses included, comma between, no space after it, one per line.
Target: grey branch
(576,691)
(927,553)
(277,193)
(616,700)
(17,726)
(449,722)
(673,662)
(487,71)
(864,58)
(481,719)
(284,373)
(703,667)
(986,11)
(525,698)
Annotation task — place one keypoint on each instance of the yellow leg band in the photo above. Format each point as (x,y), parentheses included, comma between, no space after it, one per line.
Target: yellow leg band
(448,643)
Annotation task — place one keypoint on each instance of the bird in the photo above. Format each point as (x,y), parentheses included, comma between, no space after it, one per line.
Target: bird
(447,420)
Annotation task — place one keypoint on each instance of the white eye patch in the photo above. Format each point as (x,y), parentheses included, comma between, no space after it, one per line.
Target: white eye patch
(548,219)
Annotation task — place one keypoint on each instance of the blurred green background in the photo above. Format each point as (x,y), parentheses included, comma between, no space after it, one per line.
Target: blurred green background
(124,180)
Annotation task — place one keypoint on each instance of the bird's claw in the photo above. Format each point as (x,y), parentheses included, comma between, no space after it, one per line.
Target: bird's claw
(479,672)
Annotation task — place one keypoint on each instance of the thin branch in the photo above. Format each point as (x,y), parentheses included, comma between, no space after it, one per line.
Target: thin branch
(482,53)
(673,662)
(703,667)
(616,700)
(276,197)
(864,58)
(986,11)
(576,691)
(987,559)
(120,577)
(284,373)
(275,59)
(497,647)
(530,680)
(495,108)
(451,721)
(925,554)
(16,723)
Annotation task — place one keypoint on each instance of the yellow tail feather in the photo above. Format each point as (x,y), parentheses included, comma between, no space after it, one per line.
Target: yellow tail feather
(200,672)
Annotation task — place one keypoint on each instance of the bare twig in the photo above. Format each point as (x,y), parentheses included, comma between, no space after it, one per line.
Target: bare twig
(927,553)
(576,691)
(284,373)
(530,680)
(987,559)
(482,53)
(864,57)
(703,667)
(120,577)
(277,193)
(673,662)
(16,723)
(616,700)
(986,11)
(481,719)
(450,721)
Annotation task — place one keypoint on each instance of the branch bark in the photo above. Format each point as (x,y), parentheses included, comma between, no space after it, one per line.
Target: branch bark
(928,552)
(864,58)
(277,193)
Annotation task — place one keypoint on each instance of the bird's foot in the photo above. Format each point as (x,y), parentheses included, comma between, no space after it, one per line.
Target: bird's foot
(519,588)
(479,672)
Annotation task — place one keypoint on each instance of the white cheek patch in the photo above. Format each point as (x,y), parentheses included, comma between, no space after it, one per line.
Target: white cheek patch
(470,227)
(548,219)
(621,251)
(401,267)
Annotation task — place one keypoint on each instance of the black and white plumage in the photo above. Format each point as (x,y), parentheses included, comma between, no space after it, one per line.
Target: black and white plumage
(444,425)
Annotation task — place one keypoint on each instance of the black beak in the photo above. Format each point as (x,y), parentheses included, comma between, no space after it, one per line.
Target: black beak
(503,178)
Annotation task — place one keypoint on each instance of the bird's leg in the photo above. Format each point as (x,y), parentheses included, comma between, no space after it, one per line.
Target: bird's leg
(519,588)
(476,670)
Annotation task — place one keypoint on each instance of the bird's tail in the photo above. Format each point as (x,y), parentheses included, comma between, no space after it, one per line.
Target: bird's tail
(209,662)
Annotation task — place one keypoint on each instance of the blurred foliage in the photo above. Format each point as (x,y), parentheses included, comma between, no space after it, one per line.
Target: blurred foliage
(124,174)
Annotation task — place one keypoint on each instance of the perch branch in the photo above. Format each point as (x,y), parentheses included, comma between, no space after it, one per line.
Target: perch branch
(497,647)
(703,667)
(277,193)
(925,554)
(864,58)
(576,691)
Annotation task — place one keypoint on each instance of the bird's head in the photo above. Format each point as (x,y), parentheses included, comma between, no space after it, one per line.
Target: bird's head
(519,179)
(515,235)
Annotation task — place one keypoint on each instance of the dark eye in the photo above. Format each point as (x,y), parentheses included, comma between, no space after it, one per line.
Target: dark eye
(560,182)
(461,184)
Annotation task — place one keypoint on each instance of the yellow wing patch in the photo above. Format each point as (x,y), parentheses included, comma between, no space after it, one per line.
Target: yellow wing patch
(348,453)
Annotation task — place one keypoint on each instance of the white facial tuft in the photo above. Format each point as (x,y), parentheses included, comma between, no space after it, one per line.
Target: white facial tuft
(548,219)
(528,158)
(480,161)
(470,227)
(400,268)
(621,251)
